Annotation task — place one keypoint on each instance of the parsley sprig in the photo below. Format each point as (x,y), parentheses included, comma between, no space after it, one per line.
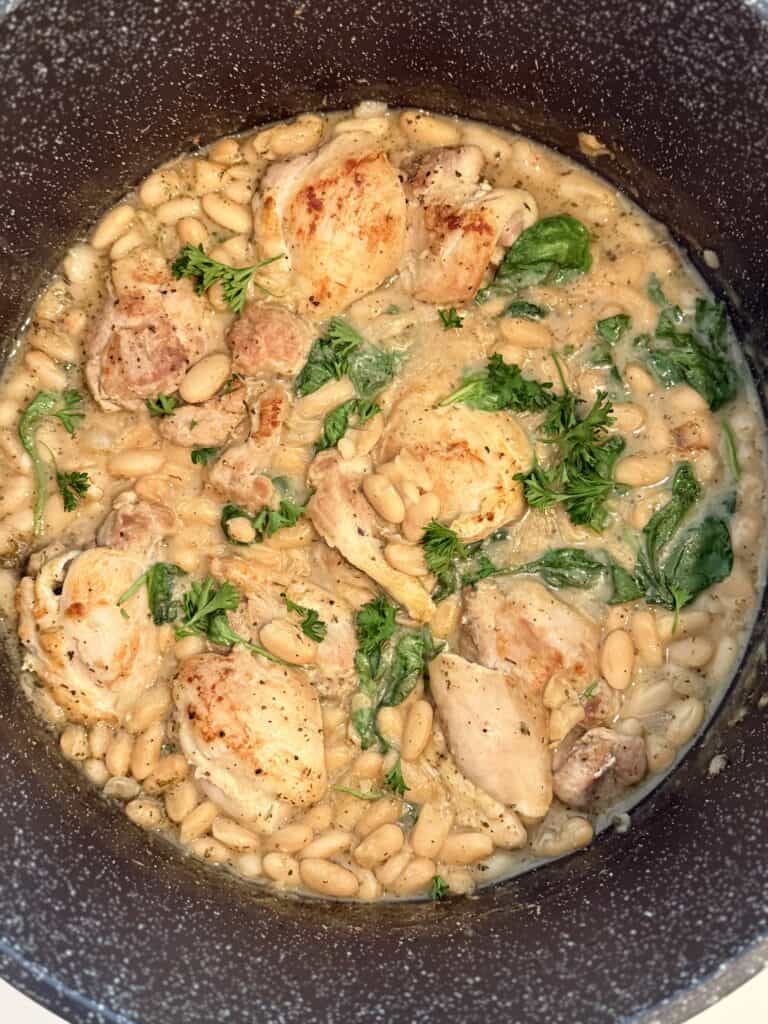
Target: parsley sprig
(266,522)
(193,262)
(501,386)
(311,623)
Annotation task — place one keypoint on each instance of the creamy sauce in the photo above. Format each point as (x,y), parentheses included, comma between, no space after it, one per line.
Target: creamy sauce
(197,424)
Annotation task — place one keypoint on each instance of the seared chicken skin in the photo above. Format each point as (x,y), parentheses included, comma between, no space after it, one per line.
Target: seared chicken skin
(240,474)
(339,216)
(253,732)
(268,339)
(151,330)
(455,223)
(95,660)
(600,761)
(494,712)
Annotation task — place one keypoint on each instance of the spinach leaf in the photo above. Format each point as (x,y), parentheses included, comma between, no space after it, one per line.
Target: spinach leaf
(702,557)
(336,422)
(202,456)
(371,369)
(450,319)
(522,310)
(731,452)
(266,522)
(613,328)
(501,386)
(564,567)
(160,580)
(553,251)
(329,356)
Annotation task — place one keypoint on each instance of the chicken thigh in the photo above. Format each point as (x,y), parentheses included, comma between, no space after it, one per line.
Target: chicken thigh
(339,215)
(209,424)
(95,658)
(455,222)
(151,330)
(253,732)
(268,339)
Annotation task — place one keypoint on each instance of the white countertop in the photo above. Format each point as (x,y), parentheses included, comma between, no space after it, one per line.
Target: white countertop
(747,1005)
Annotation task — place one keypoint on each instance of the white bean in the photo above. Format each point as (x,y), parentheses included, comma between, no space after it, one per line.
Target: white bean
(379,845)
(233,835)
(174,210)
(617,659)
(233,217)
(646,639)
(643,470)
(526,333)
(168,770)
(406,558)
(415,877)
(330,879)
(687,716)
(133,462)
(191,231)
(159,187)
(290,839)
(660,753)
(249,865)
(118,757)
(74,743)
(126,243)
(281,868)
(285,640)
(198,821)
(151,706)
(181,801)
(204,379)
(207,848)
(428,131)
(146,751)
(383,497)
(329,844)
(145,813)
(691,652)
(647,699)
(121,788)
(111,226)
(225,151)
(431,829)
(465,848)
(95,771)
(573,835)
(383,812)
(99,739)
(300,137)
(417,730)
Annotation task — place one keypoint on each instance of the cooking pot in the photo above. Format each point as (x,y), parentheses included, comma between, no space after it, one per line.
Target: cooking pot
(103,923)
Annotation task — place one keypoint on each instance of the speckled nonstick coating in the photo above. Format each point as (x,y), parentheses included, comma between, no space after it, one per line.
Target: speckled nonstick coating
(101,922)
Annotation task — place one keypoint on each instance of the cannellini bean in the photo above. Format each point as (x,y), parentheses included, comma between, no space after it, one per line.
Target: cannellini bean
(167,771)
(646,699)
(191,231)
(390,724)
(233,835)
(133,462)
(465,848)
(646,639)
(207,848)
(285,640)
(526,333)
(290,839)
(118,757)
(241,529)
(99,739)
(174,210)
(234,217)
(687,716)
(329,844)
(74,743)
(415,877)
(81,265)
(407,558)
(145,813)
(188,647)
(660,753)
(431,829)
(324,399)
(390,870)
(300,137)
(153,704)
(639,381)
(629,417)
(159,187)
(249,865)
(573,835)
(95,771)
(379,845)
(198,821)
(181,801)
(629,727)
(383,497)
(368,765)
(319,818)
(691,652)
(347,811)
(617,659)
(428,131)
(111,226)
(383,812)
(48,373)
(204,379)
(225,151)
(338,756)
(563,719)
(146,751)
(121,788)
(643,470)
(330,879)
(61,348)
(419,514)
(126,243)
(417,730)
(281,868)
(375,125)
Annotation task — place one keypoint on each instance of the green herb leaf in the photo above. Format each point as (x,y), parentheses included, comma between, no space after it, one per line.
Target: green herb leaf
(266,522)
(159,579)
(192,262)
(455,565)
(202,456)
(371,368)
(450,319)
(730,450)
(412,653)
(65,406)
(163,405)
(394,779)
(703,557)
(311,623)
(564,567)
(590,691)
(552,251)
(697,356)
(501,386)
(522,310)
(336,422)
(329,356)
(612,328)
(391,310)
(438,888)
(72,487)
(655,294)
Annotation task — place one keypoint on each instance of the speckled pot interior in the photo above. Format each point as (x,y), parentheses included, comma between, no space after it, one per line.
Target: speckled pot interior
(102,923)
